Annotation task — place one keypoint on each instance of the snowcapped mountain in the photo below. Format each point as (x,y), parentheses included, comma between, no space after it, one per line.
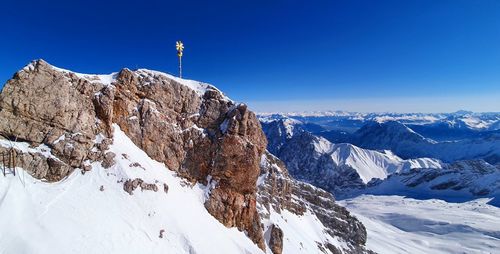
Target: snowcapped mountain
(140,161)
(348,170)
(334,167)
(347,120)
(406,143)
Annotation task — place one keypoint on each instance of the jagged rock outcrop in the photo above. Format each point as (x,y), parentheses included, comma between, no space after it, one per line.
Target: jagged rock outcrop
(130,185)
(279,192)
(276,240)
(190,126)
(44,106)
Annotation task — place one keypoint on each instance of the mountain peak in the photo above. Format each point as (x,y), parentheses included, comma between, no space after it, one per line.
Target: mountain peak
(61,123)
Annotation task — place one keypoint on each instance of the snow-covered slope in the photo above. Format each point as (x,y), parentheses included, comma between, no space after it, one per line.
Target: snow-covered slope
(403,225)
(456,182)
(77,216)
(371,164)
(93,213)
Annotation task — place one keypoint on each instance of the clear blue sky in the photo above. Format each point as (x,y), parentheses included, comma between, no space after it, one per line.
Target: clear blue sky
(422,55)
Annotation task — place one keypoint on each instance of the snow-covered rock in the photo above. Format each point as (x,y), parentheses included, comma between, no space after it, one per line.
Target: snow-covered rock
(308,217)
(334,167)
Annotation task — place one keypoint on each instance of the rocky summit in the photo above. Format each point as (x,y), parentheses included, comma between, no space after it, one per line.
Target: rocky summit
(68,122)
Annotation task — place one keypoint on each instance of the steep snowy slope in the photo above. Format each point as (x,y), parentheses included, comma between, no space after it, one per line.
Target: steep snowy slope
(321,226)
(92,213)
(371,164)
(403,225)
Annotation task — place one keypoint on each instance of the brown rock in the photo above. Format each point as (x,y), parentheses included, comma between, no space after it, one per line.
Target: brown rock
(87,168)
(276,240)
(196,135)
(136,165)
(109,160)
(130,185)
(41,104)
(280,192)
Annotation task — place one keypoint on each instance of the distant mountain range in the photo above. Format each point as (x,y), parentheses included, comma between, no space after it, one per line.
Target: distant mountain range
(448,137)
(351,121)
(384,157)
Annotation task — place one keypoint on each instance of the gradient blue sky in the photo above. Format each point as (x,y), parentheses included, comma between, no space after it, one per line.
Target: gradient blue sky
(406,56)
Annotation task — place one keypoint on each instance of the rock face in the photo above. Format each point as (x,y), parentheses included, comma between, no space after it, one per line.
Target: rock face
(276,240)
(278,192)
(189,126)
(43,106)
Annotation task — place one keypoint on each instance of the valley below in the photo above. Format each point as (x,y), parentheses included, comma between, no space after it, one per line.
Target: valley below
(397,224)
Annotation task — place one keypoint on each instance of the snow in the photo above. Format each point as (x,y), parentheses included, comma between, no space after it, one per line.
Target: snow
(74,216)
(322,145)
(475,121)
(370,164)
(199,87)
(27,148)
(403,225)
(407,117)
(61,138)
(108,79)
(300,233)
(105,79)
(289,125)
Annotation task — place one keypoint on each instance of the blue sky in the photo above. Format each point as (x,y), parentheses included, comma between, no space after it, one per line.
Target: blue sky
(406,56)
